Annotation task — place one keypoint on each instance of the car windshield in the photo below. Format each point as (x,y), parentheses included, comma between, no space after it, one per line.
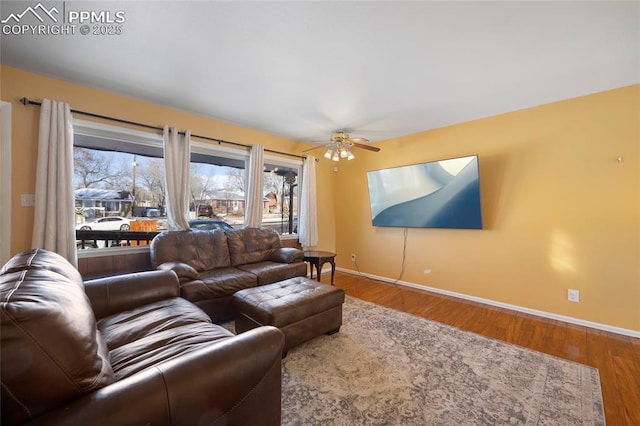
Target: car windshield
(209,224)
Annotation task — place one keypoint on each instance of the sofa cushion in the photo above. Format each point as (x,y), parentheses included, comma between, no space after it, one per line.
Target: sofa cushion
(183,271)
(217,283)
(287,255)
(202,250)
(128,326)
(271,272)
(163,346)
(51,350)
(251,245)
(154,333)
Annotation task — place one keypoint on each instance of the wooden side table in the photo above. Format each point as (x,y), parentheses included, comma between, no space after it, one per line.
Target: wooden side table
(319,258)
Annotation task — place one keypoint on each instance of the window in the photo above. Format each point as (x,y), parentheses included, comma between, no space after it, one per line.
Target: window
(281,187)
(120,172)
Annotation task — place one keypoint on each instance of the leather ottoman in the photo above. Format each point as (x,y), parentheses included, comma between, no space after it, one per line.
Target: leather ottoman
(301,308)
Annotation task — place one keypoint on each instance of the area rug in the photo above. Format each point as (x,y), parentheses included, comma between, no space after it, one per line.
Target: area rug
(386,367)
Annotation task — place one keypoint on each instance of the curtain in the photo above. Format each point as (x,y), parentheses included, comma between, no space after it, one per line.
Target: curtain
(253,211)
(177,163)
(54,213)
(307,216)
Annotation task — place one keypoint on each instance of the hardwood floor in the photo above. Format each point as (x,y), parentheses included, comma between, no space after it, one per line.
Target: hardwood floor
(616,357)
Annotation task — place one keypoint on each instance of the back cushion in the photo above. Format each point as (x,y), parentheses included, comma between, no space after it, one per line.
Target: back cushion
(202,250)
(51,351)
(251,245)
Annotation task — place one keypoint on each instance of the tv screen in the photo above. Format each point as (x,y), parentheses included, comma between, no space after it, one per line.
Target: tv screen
(438,194)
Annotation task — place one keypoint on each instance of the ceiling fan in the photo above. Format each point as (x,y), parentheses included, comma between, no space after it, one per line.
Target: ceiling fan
(340,144)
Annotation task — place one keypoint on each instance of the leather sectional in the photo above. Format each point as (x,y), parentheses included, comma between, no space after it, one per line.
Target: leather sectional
(212,265)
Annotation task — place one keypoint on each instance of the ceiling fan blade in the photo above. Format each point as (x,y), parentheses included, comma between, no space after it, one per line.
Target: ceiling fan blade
(368,147)
(315,147)
(358,140)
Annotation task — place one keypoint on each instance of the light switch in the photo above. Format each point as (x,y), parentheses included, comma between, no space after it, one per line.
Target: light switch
(27,200)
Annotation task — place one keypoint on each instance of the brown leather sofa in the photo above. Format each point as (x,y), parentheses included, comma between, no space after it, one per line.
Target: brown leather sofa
(214,264)
(125,350)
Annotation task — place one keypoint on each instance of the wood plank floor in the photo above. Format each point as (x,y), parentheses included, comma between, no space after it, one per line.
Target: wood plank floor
(616,357)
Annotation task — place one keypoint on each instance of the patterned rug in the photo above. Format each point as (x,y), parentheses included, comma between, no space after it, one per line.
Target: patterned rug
(386,367)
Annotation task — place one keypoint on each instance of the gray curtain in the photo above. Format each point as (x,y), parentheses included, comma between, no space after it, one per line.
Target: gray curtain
(54,213)
(254,195)
(308,214)
(177,161)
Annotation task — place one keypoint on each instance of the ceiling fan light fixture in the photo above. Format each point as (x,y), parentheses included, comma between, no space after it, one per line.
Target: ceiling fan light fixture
(340,144)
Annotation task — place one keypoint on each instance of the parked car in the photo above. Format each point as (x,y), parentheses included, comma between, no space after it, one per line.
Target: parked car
(112,223)
(204,224)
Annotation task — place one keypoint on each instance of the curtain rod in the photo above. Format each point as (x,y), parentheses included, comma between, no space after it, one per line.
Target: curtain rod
(27,101)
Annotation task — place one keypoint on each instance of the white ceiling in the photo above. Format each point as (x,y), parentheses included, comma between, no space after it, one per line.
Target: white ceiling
(378,69)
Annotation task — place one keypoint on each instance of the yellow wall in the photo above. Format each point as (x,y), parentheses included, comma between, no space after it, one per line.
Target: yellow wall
(559,211)
(15,84)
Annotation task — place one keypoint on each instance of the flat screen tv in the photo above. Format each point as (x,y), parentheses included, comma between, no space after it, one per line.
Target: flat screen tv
(437,194)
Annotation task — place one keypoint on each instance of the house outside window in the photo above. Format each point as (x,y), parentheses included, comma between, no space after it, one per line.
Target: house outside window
(95,203)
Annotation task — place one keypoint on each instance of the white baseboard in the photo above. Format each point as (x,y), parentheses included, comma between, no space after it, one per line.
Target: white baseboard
(571,320)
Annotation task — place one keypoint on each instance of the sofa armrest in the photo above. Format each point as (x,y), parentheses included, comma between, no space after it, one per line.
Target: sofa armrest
(123,292)
(287,255)
(236,381)
(185,272)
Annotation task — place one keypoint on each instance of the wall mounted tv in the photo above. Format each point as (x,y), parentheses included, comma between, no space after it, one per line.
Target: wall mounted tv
(438,194)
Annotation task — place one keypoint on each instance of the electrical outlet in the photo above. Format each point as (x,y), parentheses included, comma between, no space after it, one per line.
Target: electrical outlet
(427,271)
(573,295)
(353,257)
